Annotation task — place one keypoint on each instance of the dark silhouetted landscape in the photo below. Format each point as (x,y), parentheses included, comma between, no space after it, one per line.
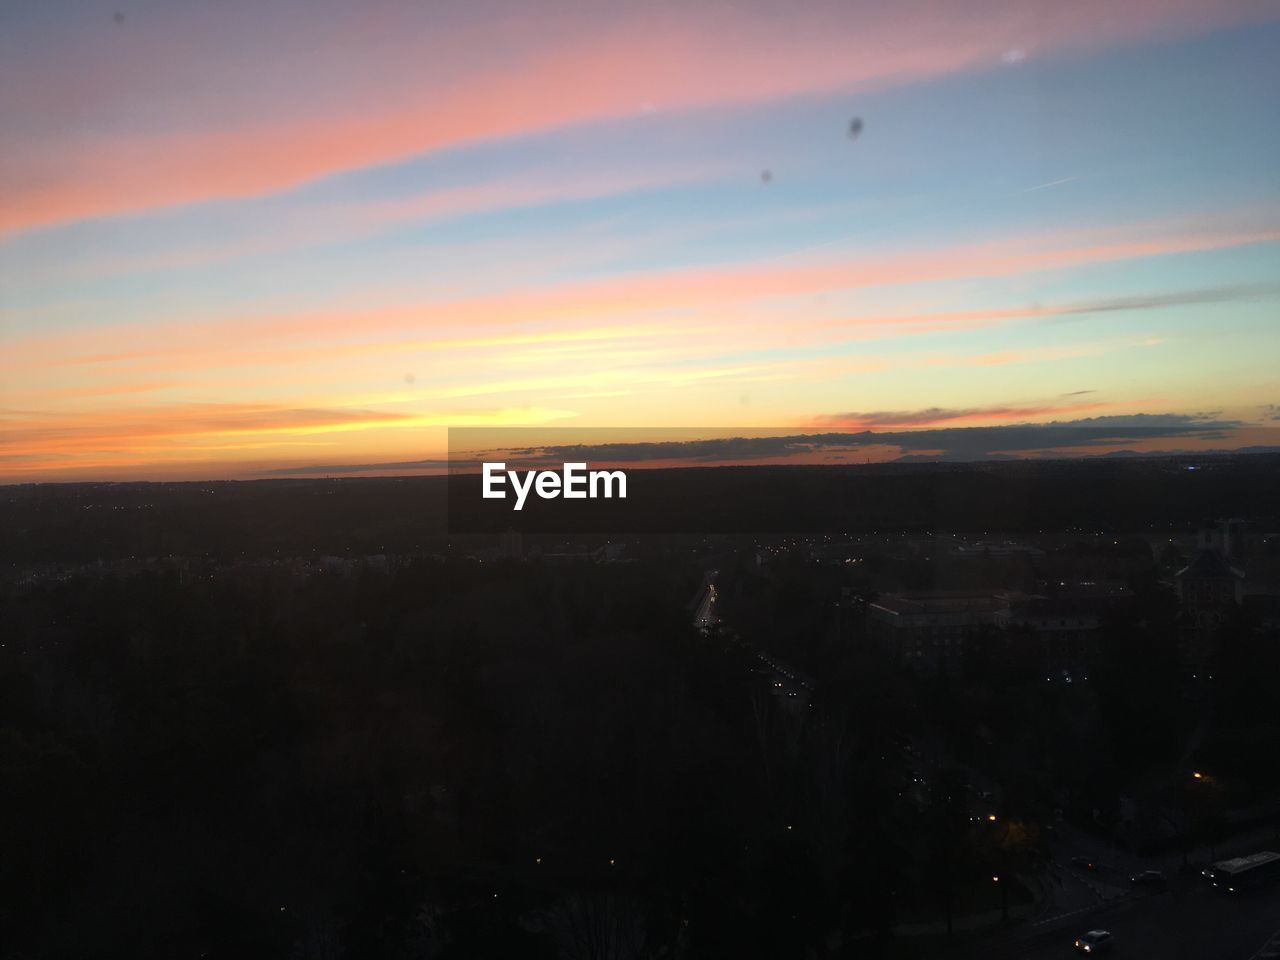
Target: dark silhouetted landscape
(300,718)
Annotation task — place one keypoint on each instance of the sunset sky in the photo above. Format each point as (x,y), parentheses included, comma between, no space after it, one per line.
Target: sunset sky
(244,239)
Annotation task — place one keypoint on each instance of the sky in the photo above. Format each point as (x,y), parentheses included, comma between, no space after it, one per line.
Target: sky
(246,239)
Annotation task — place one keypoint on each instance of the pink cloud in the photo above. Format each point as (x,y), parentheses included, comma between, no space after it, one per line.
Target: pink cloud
(613,309)
(187,113)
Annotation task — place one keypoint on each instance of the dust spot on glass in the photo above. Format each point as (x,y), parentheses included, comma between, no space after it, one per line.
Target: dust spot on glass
(118,17)
(1014,55)
(855,128)
(766,176)
(410,378)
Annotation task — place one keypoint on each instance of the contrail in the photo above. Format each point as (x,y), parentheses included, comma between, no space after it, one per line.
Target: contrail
(1051,183)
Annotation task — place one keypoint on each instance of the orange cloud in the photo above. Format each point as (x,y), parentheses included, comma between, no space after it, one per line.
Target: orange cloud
(645,334)
(182,421)
(119,441)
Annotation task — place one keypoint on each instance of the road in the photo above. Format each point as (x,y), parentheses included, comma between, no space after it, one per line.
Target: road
(1189,920)
(1192,921)
(706,617)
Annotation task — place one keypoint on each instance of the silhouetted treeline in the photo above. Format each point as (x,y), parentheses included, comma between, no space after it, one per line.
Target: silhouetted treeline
(85,522)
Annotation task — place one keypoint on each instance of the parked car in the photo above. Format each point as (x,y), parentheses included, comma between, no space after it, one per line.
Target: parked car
(1095,941)
(1148,878)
